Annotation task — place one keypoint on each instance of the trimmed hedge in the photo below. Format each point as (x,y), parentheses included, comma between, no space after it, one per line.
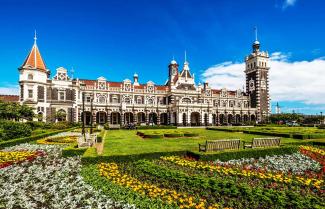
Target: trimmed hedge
(73,150)
(86,159)
(156,127)
(153,136)
(173,134)
(30,138)
(191,134)
(247,153)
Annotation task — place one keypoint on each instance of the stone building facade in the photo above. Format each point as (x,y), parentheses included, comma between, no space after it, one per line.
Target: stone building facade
(179,102)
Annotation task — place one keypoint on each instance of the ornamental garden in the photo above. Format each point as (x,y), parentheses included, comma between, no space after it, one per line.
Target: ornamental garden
(161,168)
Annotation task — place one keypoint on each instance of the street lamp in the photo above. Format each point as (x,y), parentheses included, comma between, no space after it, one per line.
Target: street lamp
(321,117)
(83,110)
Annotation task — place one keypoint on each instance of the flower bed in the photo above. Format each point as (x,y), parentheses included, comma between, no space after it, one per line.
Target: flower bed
(315,154)
(246,172)
(111,171)
(8,158)
(62,138)
(49,182)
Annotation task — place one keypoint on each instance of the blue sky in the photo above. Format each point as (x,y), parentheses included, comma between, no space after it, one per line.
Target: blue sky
(115,39)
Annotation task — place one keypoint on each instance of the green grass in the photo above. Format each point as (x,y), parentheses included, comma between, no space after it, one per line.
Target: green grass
(126,142)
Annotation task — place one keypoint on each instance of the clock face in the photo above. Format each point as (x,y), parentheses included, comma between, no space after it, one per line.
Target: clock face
(150,89)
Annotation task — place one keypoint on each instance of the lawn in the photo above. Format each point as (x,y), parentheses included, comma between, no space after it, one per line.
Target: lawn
(125,142)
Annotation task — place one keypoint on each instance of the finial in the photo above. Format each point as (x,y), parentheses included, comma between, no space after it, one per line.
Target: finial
(185,56)
(255,29)
(35,37)
(72,72)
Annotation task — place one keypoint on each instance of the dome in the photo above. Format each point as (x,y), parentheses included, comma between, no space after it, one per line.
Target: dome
(256,42)
(173,62)
(135,75)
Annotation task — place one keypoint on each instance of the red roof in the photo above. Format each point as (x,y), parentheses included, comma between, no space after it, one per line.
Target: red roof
(114,84)
(163,88)
(139,87)
(35,60)
(9,98)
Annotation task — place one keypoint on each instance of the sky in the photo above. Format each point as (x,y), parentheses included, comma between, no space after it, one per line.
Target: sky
(116,39)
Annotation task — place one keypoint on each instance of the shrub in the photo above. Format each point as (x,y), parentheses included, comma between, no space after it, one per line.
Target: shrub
(248,153)
(174,134)
(36,124)
(157,127)
(154,136)
(188,134)
(321,126)
(60,125)
(12,130)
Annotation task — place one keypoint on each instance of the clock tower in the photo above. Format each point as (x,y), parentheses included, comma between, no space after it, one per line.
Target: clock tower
(257,80)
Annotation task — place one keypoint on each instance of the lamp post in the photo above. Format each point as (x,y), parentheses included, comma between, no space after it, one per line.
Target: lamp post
(91,113)
(83,110)
(321,118)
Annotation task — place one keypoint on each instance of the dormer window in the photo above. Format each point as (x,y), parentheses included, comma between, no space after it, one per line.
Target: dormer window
(30,77)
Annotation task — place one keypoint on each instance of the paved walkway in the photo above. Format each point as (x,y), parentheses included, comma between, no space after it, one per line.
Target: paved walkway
(100,146)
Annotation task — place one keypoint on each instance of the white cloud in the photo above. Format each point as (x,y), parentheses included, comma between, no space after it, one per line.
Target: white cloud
(301,81)
(9,90)
(288,3)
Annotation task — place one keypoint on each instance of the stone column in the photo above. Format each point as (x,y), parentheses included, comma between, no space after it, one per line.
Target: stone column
(147,118)
(158,118)
(135,117)
(168,117)
(122,118)
(108,117)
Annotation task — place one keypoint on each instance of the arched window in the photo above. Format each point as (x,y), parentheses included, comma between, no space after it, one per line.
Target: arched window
(30,77)
(139,100)
(150,101)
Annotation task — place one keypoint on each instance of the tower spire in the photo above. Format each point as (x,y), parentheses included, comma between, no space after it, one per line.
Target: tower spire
(35,37)
(255,29)
(185,56)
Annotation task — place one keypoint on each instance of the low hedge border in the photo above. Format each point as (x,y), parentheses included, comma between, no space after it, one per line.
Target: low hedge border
(153,136)
(73,150)
(156,127)
(30,138)
(173,135)
(191,134)
(247,153)
(91,159)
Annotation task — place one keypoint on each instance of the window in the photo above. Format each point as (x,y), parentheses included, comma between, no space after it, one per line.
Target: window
(30,77)
(231,104)
(102,100)
(127,100)
(88,99)
(114,99)
(61,96)
(139,100)
(30,93)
